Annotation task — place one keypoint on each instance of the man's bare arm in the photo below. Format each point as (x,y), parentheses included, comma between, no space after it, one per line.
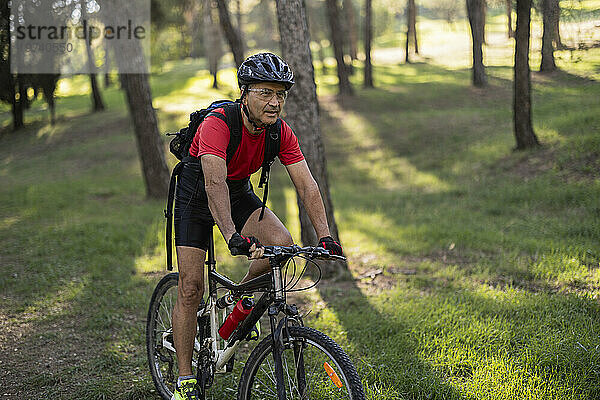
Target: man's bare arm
(309,194)
(217,191)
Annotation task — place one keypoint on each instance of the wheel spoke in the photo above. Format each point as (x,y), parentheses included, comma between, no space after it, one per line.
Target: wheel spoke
(293,383)
(268,387)
(271,371)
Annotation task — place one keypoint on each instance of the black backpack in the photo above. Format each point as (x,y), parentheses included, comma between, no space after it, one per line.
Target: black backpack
(180,147)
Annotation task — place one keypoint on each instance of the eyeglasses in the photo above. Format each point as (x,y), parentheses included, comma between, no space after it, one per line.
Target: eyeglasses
(267,94)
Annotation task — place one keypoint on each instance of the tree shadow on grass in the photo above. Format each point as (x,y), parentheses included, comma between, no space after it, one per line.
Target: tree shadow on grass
(383,347)
(441,201)
(439,137)
(73,302)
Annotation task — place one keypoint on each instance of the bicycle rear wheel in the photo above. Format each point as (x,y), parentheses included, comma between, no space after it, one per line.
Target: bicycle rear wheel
(314,366)
(159,336)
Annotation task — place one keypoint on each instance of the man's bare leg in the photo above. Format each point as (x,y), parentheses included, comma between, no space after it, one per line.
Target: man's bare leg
(190,290)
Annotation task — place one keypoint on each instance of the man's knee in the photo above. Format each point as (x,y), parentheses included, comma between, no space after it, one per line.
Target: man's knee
(190,290)
(279,236)
(190,262)
(282,238)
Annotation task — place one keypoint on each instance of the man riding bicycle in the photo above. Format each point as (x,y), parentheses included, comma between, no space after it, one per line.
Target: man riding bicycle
(212,190)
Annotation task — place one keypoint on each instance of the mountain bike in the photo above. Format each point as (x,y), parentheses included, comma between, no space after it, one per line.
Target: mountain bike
(292,362)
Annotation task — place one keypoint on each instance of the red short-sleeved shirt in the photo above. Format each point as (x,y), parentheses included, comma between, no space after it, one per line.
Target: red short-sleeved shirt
(213,137)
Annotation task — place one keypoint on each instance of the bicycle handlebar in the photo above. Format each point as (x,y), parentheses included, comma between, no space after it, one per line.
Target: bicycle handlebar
(295,250)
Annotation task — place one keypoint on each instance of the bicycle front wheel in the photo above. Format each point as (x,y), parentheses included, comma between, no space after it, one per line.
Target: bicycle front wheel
(314,367)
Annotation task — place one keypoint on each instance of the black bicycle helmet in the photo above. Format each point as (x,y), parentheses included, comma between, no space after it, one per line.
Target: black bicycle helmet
(265,67)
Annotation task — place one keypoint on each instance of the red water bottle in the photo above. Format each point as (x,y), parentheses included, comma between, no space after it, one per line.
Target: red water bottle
(239,313)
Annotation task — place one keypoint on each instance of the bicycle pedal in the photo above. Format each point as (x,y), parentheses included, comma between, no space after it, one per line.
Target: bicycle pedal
(254,333)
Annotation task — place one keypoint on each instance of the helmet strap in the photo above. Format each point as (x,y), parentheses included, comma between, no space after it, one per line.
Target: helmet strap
(253,122)
(245,108)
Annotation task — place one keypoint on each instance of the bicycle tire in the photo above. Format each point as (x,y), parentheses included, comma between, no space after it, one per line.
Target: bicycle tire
(158,324)
(324,348)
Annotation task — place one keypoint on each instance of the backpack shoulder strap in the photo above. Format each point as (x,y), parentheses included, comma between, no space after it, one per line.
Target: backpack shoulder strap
(272,142)
(233,119)
(272,148)
(169,214)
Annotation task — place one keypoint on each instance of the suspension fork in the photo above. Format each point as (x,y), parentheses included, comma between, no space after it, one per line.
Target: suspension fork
(277,328)
(298,345)
(277,337)
(280,335)
(300,372)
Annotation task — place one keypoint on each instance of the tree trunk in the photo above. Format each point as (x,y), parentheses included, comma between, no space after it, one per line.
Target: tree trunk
(8,84)
(411,29)
(149,144)
(52,107)
(131,62)
(333,13)
(11,85)
(524,134)
(24,84)
(212,41)
(238,4)
(47,84)
(368,82)
(17,105)
(352,28)
(17,112)
(475,10)
(511,32)
(266,20)
(303,113)
(191,15)
(484,18)
(231,33)
(107,80)
(97,103)
(555,22)
(96,95)
(548,64)
(413,22)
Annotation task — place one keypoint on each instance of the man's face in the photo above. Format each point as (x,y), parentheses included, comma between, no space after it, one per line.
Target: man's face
(265,101)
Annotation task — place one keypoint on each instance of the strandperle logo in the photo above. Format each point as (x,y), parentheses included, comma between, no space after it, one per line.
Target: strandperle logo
(86,31)
(79,36)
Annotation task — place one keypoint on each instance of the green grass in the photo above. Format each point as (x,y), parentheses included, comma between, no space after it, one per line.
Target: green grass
(489,258)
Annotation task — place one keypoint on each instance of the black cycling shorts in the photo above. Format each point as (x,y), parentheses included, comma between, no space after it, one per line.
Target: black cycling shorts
(193,220)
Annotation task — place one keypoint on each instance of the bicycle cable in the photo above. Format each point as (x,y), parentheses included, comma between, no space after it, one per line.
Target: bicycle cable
(317,280)
(288,284)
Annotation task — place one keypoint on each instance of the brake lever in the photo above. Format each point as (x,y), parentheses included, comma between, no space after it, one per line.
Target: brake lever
(319,252)
(326,254)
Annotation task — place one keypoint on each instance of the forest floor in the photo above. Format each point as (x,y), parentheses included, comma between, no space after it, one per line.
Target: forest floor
(474,268)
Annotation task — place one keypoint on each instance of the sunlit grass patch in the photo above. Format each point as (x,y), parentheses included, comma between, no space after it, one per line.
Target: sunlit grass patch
(567,268)
(483,342)
(485,260)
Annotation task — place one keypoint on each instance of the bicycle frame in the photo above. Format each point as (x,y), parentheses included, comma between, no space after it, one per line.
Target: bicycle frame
(213,354)
(273,300)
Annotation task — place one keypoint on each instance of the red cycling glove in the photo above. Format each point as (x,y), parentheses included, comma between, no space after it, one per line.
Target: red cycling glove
(240,245)
(328,243)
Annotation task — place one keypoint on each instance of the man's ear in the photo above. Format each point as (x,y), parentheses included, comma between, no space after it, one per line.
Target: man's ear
(244,95)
